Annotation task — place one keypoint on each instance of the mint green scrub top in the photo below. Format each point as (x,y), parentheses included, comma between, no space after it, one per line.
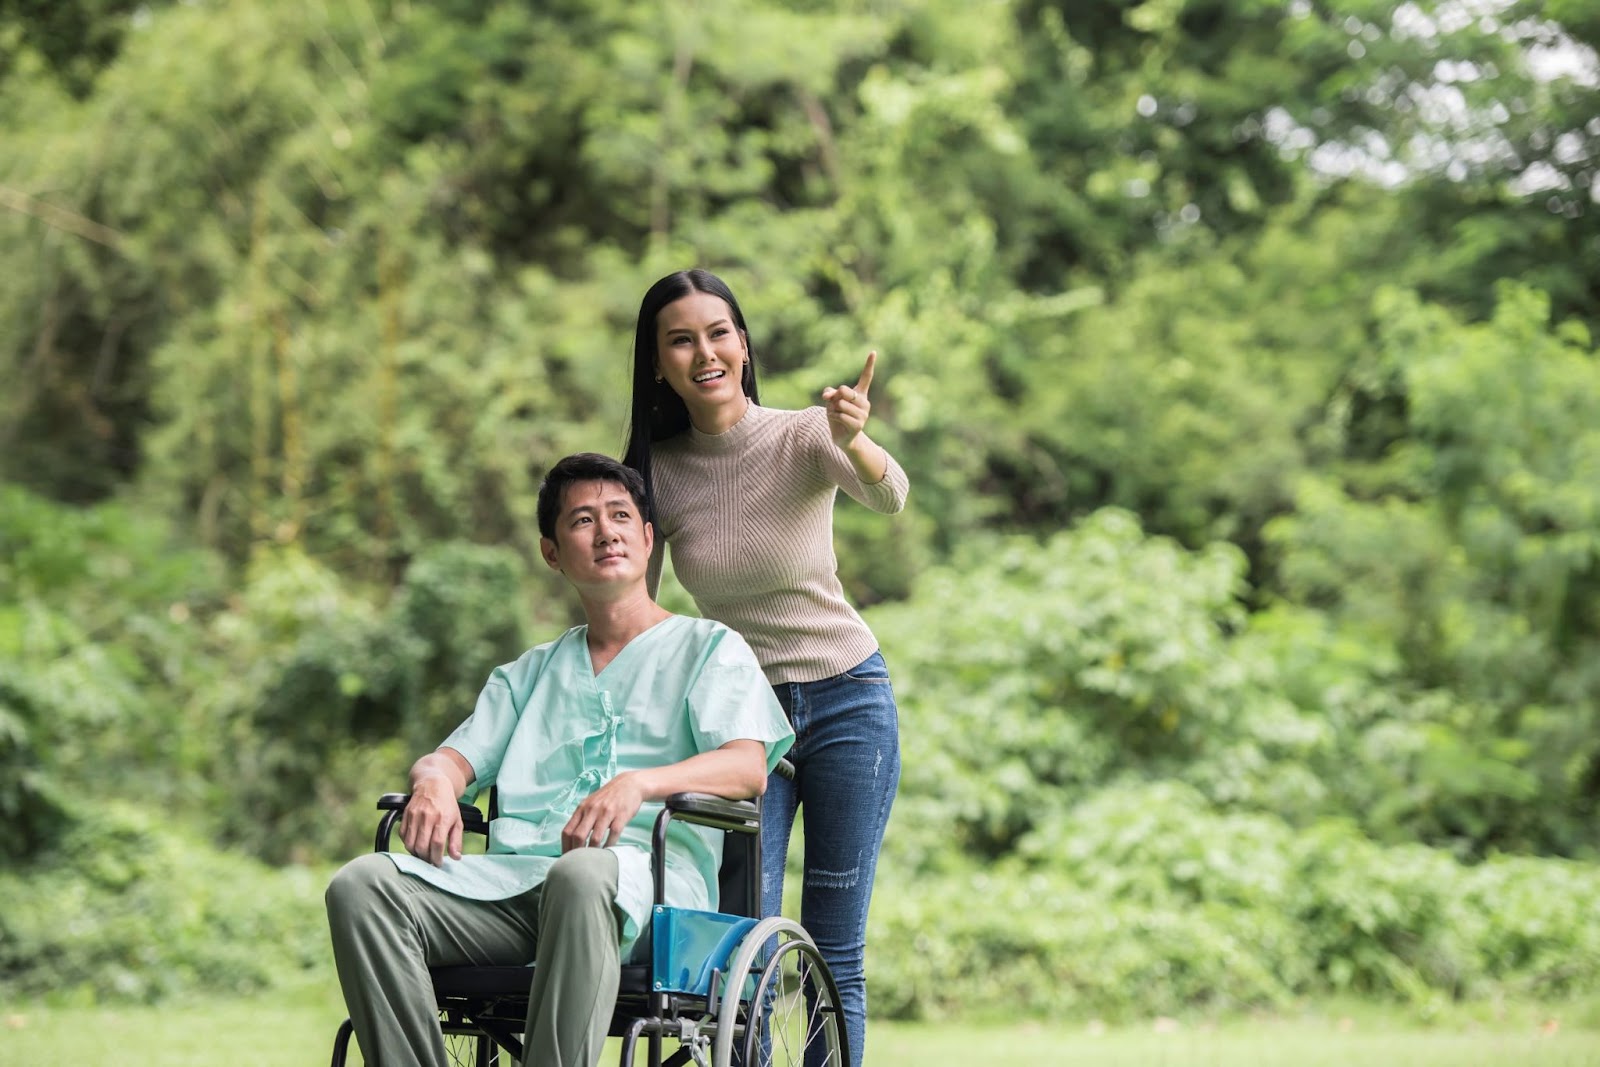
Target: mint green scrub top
(548,732)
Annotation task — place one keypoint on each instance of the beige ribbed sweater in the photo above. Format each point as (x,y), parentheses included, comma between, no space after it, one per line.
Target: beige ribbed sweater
(749,517)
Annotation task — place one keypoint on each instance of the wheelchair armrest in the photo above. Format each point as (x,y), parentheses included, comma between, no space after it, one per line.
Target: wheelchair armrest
(703,809)
(394,804)
(737,816)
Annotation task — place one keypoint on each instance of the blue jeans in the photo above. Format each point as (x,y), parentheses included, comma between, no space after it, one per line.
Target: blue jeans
(847,762)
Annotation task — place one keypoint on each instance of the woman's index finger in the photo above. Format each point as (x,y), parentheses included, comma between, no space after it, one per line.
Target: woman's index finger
(865,381)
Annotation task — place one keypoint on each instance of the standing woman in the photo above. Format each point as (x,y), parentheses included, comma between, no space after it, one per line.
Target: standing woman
(744,496)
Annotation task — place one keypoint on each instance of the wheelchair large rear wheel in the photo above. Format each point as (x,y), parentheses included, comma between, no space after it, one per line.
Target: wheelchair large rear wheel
(794,1007)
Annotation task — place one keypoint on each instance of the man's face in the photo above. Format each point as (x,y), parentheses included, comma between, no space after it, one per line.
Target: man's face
(600,538)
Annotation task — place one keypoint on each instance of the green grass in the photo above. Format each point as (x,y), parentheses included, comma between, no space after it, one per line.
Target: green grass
(295,1029)
(1303,1043)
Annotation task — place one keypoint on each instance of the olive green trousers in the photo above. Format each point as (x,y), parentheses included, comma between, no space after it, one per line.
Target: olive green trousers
(388,928)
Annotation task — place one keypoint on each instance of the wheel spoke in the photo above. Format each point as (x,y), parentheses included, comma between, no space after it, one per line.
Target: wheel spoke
(794,1011)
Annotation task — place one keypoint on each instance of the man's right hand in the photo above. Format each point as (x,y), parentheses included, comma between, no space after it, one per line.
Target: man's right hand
(431,825)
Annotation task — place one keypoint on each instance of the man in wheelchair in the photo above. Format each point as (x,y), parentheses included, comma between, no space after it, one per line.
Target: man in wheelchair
(583,737)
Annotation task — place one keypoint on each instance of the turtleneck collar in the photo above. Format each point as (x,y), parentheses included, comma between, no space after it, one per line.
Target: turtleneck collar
(733,437)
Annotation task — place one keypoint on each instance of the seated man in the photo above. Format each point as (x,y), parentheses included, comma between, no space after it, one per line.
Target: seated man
(584,736)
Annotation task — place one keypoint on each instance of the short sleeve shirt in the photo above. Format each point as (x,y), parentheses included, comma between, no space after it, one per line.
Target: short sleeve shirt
(548,731)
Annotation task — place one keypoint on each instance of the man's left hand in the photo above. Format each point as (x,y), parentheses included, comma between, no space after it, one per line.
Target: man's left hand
(600,819)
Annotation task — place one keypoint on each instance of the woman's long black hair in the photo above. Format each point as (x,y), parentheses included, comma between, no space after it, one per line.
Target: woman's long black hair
(659,413)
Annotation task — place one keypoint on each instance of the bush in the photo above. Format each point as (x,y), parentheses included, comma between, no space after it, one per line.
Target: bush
(317,681)
(462,603)
(79,710)
(125,907)
(1040,671)
(1145,900)
(332,696)
(1002,944)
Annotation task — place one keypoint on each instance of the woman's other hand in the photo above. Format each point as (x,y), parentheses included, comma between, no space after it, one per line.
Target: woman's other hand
(848,406)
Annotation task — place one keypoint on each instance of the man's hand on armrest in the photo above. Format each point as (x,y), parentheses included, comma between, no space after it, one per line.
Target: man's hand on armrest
(431,825)
(736,770)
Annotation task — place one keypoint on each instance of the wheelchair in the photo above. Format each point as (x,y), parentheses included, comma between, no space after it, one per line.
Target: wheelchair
(729,988)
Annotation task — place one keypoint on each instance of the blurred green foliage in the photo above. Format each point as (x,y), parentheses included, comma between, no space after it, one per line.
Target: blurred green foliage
(1241,355)
(1146,900)
(125,906)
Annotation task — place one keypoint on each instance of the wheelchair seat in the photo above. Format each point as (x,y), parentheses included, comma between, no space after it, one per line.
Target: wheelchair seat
(492,981)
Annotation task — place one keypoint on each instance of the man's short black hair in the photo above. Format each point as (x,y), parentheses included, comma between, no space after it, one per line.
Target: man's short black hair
(585,467)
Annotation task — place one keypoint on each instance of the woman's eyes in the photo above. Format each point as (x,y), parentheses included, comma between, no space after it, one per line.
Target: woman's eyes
(684,339)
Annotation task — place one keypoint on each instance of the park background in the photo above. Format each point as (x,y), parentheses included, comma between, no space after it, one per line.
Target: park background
(1245,617)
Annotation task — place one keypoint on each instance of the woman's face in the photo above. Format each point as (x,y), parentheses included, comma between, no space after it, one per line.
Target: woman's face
(700,353)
